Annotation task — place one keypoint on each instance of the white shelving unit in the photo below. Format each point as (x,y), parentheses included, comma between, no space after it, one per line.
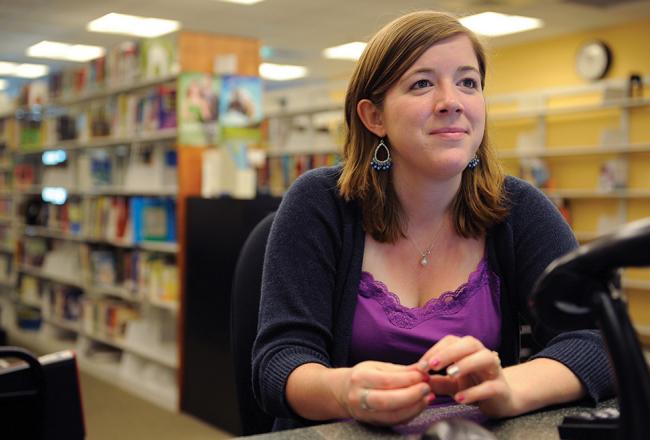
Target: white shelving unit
(113,372)
(532,114)
(145,367)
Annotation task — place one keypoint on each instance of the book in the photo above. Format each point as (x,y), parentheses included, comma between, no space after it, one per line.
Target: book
(166,106)
(153,218)
(198,109)
(240,108)
(158,56)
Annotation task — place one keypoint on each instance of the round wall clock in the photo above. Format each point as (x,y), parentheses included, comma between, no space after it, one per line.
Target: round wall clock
(593,60)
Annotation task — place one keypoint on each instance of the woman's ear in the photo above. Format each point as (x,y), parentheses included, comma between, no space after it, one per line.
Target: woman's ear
(372,117)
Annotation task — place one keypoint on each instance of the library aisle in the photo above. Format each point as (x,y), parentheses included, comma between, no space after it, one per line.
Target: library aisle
(112,413)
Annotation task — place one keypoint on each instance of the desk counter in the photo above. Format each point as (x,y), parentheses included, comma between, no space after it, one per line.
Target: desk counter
(540,425)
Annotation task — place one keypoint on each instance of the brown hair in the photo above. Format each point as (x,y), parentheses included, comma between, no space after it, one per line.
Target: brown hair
(390,53)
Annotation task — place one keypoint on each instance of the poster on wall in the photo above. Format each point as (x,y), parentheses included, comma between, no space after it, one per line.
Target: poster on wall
(240,108)
(198,109)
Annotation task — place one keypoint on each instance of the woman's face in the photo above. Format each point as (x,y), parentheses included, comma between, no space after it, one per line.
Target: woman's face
(434,116)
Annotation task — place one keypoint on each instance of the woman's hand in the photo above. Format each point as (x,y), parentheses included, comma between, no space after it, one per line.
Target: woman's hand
(383,393)
(474,375)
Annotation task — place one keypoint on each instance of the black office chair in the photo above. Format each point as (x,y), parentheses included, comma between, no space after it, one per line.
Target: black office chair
(244,309)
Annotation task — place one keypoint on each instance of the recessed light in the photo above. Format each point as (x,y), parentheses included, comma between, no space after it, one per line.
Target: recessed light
(63,51)
(134,25)
(281,72)
(494,24)
(348,51)
(23,70)
(7,68)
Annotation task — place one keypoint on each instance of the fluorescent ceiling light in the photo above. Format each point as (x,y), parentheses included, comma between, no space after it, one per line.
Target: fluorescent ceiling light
(4,84)
(348,51)
(242,2)
(7,68)
(31,70)
(281,72)
(114,23)
(493,24)
(64,51)
(23,70)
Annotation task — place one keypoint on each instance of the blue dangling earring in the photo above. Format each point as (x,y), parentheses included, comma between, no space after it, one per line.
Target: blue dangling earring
(378,164)
(473,163)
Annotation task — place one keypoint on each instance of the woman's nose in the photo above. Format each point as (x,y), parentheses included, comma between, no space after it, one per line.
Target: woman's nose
(447,101)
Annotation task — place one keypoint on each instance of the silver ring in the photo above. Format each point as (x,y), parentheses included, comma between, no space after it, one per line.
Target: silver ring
(364,400)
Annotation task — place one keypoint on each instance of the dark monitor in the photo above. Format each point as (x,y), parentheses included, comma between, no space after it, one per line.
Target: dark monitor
(40,398)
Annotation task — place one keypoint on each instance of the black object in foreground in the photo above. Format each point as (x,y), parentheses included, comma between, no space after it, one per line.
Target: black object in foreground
(599,424)
(582,288)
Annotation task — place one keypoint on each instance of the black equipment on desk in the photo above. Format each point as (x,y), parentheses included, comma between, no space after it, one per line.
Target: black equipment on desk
(582,288)
(40,397)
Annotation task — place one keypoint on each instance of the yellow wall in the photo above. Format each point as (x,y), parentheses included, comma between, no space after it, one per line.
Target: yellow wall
(550,63)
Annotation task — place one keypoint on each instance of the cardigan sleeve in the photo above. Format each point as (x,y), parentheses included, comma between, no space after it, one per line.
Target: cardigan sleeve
(298,282)
(541,235)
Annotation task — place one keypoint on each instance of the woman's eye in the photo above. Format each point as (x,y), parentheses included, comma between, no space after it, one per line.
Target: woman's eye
(470,83)
(421,84)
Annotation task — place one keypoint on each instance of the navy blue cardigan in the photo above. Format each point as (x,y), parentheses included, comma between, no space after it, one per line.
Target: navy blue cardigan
(311,277)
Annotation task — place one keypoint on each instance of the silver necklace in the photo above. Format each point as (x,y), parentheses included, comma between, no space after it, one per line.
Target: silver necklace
(424,260)
(424,255)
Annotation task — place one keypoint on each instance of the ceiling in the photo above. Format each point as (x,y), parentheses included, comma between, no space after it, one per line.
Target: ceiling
(297,30)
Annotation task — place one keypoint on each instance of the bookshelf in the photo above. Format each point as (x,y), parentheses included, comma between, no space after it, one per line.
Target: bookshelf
(296,141)
(93,181)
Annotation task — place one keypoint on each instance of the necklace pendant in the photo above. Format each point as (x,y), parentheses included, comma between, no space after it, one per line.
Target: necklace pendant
(424,260)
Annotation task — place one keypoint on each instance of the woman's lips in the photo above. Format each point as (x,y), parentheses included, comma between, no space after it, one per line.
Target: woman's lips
(451,133)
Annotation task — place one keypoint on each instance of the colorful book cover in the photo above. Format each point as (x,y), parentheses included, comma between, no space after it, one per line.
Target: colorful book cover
(153,219)
(198,99)
(158,56)
(240,108)
(166,107)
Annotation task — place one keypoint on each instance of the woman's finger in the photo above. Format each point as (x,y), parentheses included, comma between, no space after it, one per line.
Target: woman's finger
(431,360)
(484,364)
(373,378)
(483,391)
(443,385)
(393,406)
(400,416)
(455,351)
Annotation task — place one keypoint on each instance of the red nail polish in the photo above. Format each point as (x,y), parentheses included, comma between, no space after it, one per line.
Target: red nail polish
(434,362)
(460,398)
(430,398)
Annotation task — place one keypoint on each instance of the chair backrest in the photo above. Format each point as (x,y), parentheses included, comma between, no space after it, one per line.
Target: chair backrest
(244,309)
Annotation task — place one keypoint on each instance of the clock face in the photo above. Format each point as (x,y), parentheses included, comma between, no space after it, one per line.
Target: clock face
(593,60)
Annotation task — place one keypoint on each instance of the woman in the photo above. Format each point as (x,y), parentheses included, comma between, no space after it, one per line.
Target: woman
(415,257)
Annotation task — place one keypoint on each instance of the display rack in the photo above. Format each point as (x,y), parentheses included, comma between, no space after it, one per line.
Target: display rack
(101,272)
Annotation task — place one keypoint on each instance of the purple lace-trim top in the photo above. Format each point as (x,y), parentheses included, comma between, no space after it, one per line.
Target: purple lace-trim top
(384,330)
